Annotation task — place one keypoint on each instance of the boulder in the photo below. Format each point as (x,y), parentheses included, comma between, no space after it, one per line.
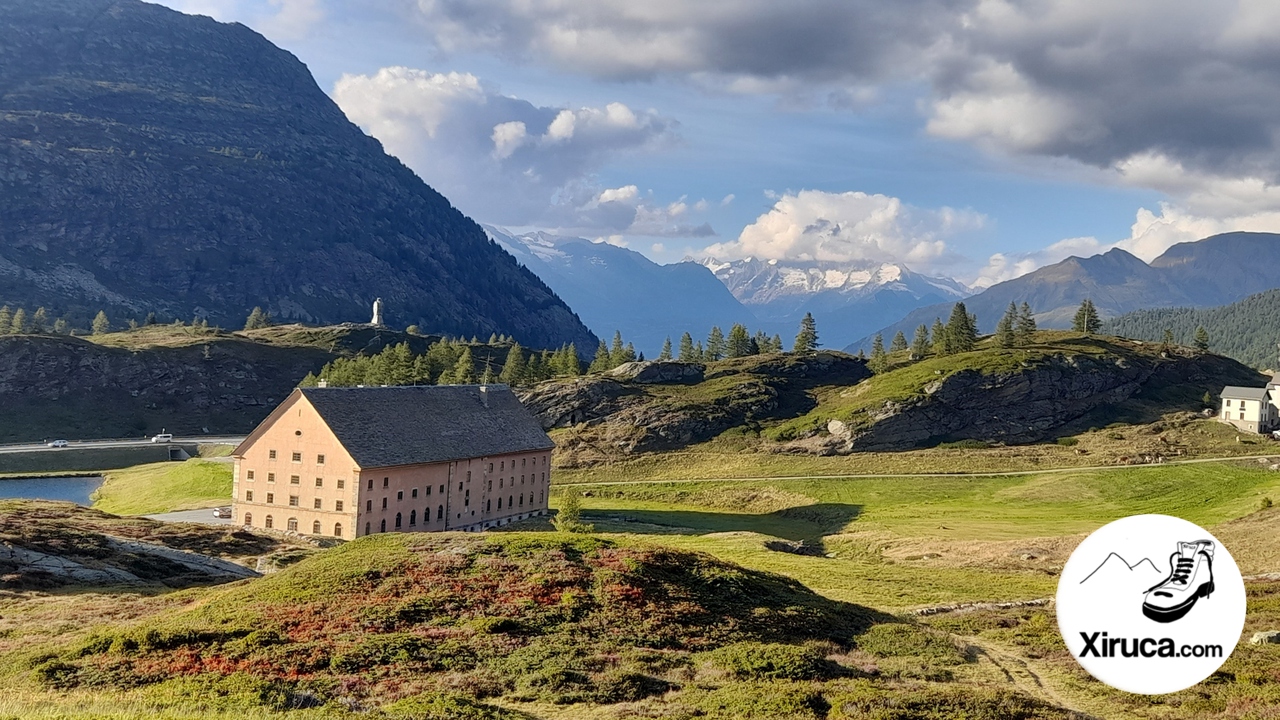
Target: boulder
(659,371)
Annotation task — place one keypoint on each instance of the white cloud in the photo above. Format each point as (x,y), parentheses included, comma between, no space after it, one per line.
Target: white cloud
(506,161)
(816,225)
(279,20)
(1007,266)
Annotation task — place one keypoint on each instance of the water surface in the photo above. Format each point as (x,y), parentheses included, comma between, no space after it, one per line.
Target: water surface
(66,489)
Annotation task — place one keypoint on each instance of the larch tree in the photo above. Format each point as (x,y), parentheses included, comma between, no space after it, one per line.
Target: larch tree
(100,323)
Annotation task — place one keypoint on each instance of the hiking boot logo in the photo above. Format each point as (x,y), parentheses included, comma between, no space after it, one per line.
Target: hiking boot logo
(1190,578)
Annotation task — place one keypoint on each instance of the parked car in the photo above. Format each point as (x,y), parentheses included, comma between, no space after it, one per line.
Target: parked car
(222,513)
(162,438)
(57,443)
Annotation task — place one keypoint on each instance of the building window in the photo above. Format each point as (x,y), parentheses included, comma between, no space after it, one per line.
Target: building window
(490,467)
(269,523)
(500,480)
(319,482)
(383,527)
(271,477)
(293,501)
(384,503)
(386,481)
(271,454)
(368,505)
(502,465)
(297,457)
(428,489)
(468,476)
(544,477)
(1228,403)
(488,506)
(248,475)
(370,483)
(397,521)
(539,496)
(319,459)
(292,525)
(315,528)
(295,480)
(248,519)
(399,495)
(440,513)
(337,505)
(415,492)
(342,484)
(248,496)
(413,518)
(366,529)
(318,504)
(337,529)
(521,479)
(509,503)
(271,497)
(521,499)
(523,461)
(499,503)
(441,489)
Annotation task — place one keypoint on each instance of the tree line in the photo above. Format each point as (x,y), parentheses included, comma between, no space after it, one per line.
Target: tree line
(449,361)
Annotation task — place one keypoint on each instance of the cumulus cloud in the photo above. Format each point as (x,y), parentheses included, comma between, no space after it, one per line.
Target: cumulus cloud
(812,225)
(506,161)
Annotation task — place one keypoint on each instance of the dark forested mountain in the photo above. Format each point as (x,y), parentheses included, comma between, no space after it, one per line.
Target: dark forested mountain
(1248,330)
(155,161)
(1214,271)
(615,288)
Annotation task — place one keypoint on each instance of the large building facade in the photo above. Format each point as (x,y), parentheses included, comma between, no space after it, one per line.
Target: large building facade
(348,462)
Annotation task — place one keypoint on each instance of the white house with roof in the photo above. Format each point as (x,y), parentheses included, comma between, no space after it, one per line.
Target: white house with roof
(1253,409)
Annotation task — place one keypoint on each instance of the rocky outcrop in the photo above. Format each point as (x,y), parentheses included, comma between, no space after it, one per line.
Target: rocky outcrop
(121,562)
(659,371)
(51,385)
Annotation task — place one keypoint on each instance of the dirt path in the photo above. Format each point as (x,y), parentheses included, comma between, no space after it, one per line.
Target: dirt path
(1020,673)
(1008,473)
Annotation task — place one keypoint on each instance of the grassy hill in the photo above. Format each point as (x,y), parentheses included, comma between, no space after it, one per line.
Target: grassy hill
(829,404)
(1247,330)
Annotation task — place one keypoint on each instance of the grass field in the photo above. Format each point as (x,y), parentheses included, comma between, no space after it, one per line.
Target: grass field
(165,487)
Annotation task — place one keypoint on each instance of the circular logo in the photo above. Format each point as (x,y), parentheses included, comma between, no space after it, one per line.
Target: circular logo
(1151,604)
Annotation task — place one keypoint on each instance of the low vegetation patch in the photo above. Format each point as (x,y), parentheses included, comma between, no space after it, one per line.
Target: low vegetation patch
(165,487)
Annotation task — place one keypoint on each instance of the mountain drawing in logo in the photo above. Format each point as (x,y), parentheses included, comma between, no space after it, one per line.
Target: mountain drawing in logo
(1114,570)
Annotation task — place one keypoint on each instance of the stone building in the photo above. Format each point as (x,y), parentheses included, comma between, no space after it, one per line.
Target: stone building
(348,462)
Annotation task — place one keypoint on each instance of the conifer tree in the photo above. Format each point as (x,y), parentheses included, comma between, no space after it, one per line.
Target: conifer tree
(61,327)
(257,319)
(400,364)
(1202,339)
(1005,335)
(686,349)
(486,377)
(513,371)
(151,319)
(40,321)
(764,345)
(1166,342)
(1024,328)
(100,323)
(617,352)
(601,361)
(878,362)
(570,365)
(464,371)
(738,344)
(665,354)
(699,353)
(629,354)
(19,325)
(776,344)
(715,345)
(1086,319)
(920,343)
(807,338)
(939,335)
(899,342)
(493,338)
(6,320)
(961,334)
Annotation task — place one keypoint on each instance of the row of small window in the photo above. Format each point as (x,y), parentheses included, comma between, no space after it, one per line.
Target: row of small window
(511,501)
(317,504)
(292,525)
(294,479)
(502,464)
(295,457)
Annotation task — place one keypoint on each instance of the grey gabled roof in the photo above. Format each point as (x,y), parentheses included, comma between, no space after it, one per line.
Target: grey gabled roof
(1244,393)
(1275,379)
(387,426)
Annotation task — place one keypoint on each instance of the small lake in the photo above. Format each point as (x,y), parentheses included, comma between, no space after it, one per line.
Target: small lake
(65,489)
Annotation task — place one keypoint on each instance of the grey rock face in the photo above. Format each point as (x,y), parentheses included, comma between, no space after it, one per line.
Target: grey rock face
(659,371)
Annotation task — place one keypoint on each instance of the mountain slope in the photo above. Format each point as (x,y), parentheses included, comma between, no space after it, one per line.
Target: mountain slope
(1247,330)
(615,288)
(1213,271)
(847,299)
(154,161)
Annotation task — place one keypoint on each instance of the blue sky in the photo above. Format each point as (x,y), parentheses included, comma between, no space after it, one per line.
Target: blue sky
(974,139)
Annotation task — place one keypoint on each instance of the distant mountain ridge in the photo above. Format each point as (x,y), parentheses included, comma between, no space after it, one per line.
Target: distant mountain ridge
(614,288)
(848,299)
(156,161)
(1214,271)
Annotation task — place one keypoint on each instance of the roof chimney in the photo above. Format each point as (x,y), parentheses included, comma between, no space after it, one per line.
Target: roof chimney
(322,383)
(484,395)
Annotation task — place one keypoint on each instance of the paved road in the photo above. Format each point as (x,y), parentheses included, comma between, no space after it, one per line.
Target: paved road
(78,444)
(204,517)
